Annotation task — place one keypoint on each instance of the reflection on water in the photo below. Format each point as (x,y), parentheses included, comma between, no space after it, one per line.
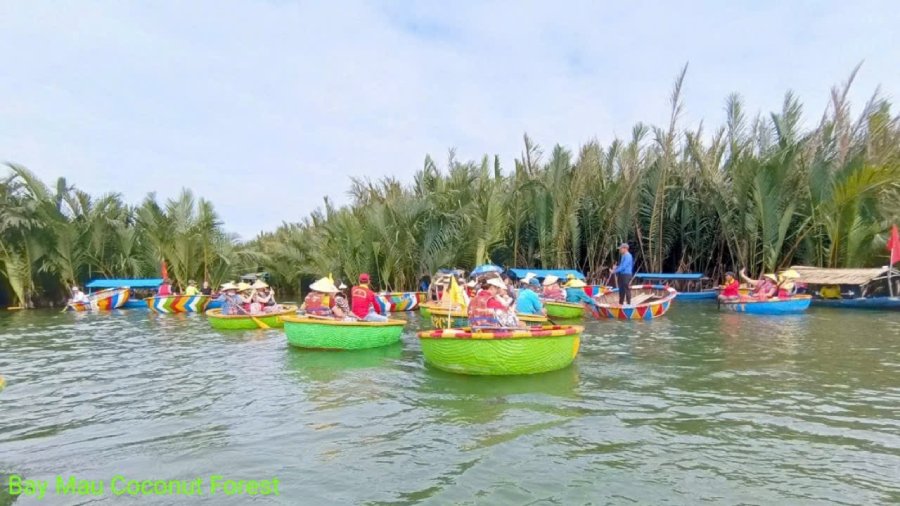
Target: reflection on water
(696,406)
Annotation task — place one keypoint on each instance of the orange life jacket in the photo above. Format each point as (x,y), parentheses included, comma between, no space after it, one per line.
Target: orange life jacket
(318,304)
(480,315)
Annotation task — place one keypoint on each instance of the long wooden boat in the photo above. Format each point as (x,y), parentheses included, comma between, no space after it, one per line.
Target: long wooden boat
(246,322)
(395,302)
(564,310)
(647,302)
(859,288)
(502,351)
(177,303)
(104,300)
(796,304)
(691,286)
(330,334)
(876,303)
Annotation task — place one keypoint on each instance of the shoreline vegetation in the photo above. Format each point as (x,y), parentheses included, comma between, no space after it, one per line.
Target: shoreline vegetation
(758,192)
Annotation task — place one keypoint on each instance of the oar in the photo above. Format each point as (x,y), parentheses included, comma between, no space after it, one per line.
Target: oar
(259,323)
(65,308)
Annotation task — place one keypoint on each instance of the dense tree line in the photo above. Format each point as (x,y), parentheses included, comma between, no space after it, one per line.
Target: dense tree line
(759,192)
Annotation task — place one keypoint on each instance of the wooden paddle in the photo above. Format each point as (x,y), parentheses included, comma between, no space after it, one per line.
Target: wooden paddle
(259,323)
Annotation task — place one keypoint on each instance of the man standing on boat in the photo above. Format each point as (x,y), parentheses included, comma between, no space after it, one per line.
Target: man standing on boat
(623,271)
(363,302)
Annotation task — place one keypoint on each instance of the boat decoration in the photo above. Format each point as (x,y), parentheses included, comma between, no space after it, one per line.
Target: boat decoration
(177,303)
(647,302)
(104,300)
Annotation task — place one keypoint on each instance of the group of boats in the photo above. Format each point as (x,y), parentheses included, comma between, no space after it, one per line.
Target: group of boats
(547,343)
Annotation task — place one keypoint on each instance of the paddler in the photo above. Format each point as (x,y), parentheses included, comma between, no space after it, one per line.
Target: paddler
(320,300)
(363,302)
(79,297)
(341,307)
(624,270)
(731,289)
(246,294)
(575,293)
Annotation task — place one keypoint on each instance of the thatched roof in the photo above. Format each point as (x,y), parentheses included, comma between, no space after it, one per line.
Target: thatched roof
(820,276)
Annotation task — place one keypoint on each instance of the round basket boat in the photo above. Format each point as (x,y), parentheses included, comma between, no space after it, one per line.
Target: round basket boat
(395,302)
(794,305)
(564,310)
(502,351)
(104,300)
(329,334)
(647,302)
(177,303)
(426,307)
(458,318)
(245,322)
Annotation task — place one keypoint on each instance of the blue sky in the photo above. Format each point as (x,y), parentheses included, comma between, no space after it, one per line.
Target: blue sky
(267,107)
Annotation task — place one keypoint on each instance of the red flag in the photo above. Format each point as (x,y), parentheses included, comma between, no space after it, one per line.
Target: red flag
(893,245)
(164,270)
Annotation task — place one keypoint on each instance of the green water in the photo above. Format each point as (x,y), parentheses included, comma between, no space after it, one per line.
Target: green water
(695,407)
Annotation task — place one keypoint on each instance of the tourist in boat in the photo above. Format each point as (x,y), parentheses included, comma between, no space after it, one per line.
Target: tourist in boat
(511,290)
(206,289)
(731,289)
(191,289)
(575,293)
(79,297)
(246,294)
(165,289)
(528,301)
(232,304)
(552,290)
(363,302)
(263,300)
(341,307)
(488,310)
(320,300)
(624,270)
(764,288)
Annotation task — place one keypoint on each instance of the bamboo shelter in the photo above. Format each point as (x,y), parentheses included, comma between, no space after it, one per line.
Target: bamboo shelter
(875,288)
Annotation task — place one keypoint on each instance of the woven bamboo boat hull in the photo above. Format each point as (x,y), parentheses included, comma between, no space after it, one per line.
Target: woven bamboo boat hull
(177,303)
(244,322)
(104,300)
(499,352)
(661,300)
(794,305)
(564,310)
(327,334)
(396,302)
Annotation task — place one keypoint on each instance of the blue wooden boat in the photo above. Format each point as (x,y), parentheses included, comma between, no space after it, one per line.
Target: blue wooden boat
(139,284)
(794,305)
(852,288)
(691,286)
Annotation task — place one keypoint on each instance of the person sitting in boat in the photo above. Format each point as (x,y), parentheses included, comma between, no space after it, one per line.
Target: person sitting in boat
(320,300)
(487,310)
(511,290)
(575,293)
(731,290)
(165,288)
(764,288)
(341,307)
(206,289)
(232,304)
(79,297)
(528,301)
(830,292)
(191,289)
(552,290)
(363,302)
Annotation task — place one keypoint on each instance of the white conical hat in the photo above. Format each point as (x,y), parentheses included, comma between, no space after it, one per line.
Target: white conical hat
(324,285)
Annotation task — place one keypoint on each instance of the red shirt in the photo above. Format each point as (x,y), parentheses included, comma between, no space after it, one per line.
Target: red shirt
(361,298)
(732,289)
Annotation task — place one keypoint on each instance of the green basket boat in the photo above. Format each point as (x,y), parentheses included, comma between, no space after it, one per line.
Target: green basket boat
(502,351)
(329,334)
(246,322)
(564,310)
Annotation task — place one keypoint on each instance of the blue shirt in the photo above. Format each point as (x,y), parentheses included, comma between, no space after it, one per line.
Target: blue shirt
(626,264)
(528,303)
(576,295)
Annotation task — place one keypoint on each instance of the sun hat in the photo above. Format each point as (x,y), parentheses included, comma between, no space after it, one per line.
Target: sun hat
(471,284)
(192,282)
(528,277)
(364,277)
(790,274)
(324,285)
(576,283)
(228,286)
(549,280)
(624,245)
(259,284)
(497,282)
(534,282)
(243,287)
(771,276)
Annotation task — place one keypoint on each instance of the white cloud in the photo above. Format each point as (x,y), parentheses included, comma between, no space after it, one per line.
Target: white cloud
(266,107)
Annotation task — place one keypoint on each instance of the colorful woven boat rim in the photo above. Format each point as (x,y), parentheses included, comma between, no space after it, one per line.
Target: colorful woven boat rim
(217,313)
(529,333)
(767,301)
(324,320)
(671,293)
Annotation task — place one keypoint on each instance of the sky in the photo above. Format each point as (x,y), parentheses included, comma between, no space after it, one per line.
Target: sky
(267,107)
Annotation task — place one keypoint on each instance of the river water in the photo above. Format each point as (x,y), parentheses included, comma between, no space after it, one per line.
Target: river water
(695,407)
